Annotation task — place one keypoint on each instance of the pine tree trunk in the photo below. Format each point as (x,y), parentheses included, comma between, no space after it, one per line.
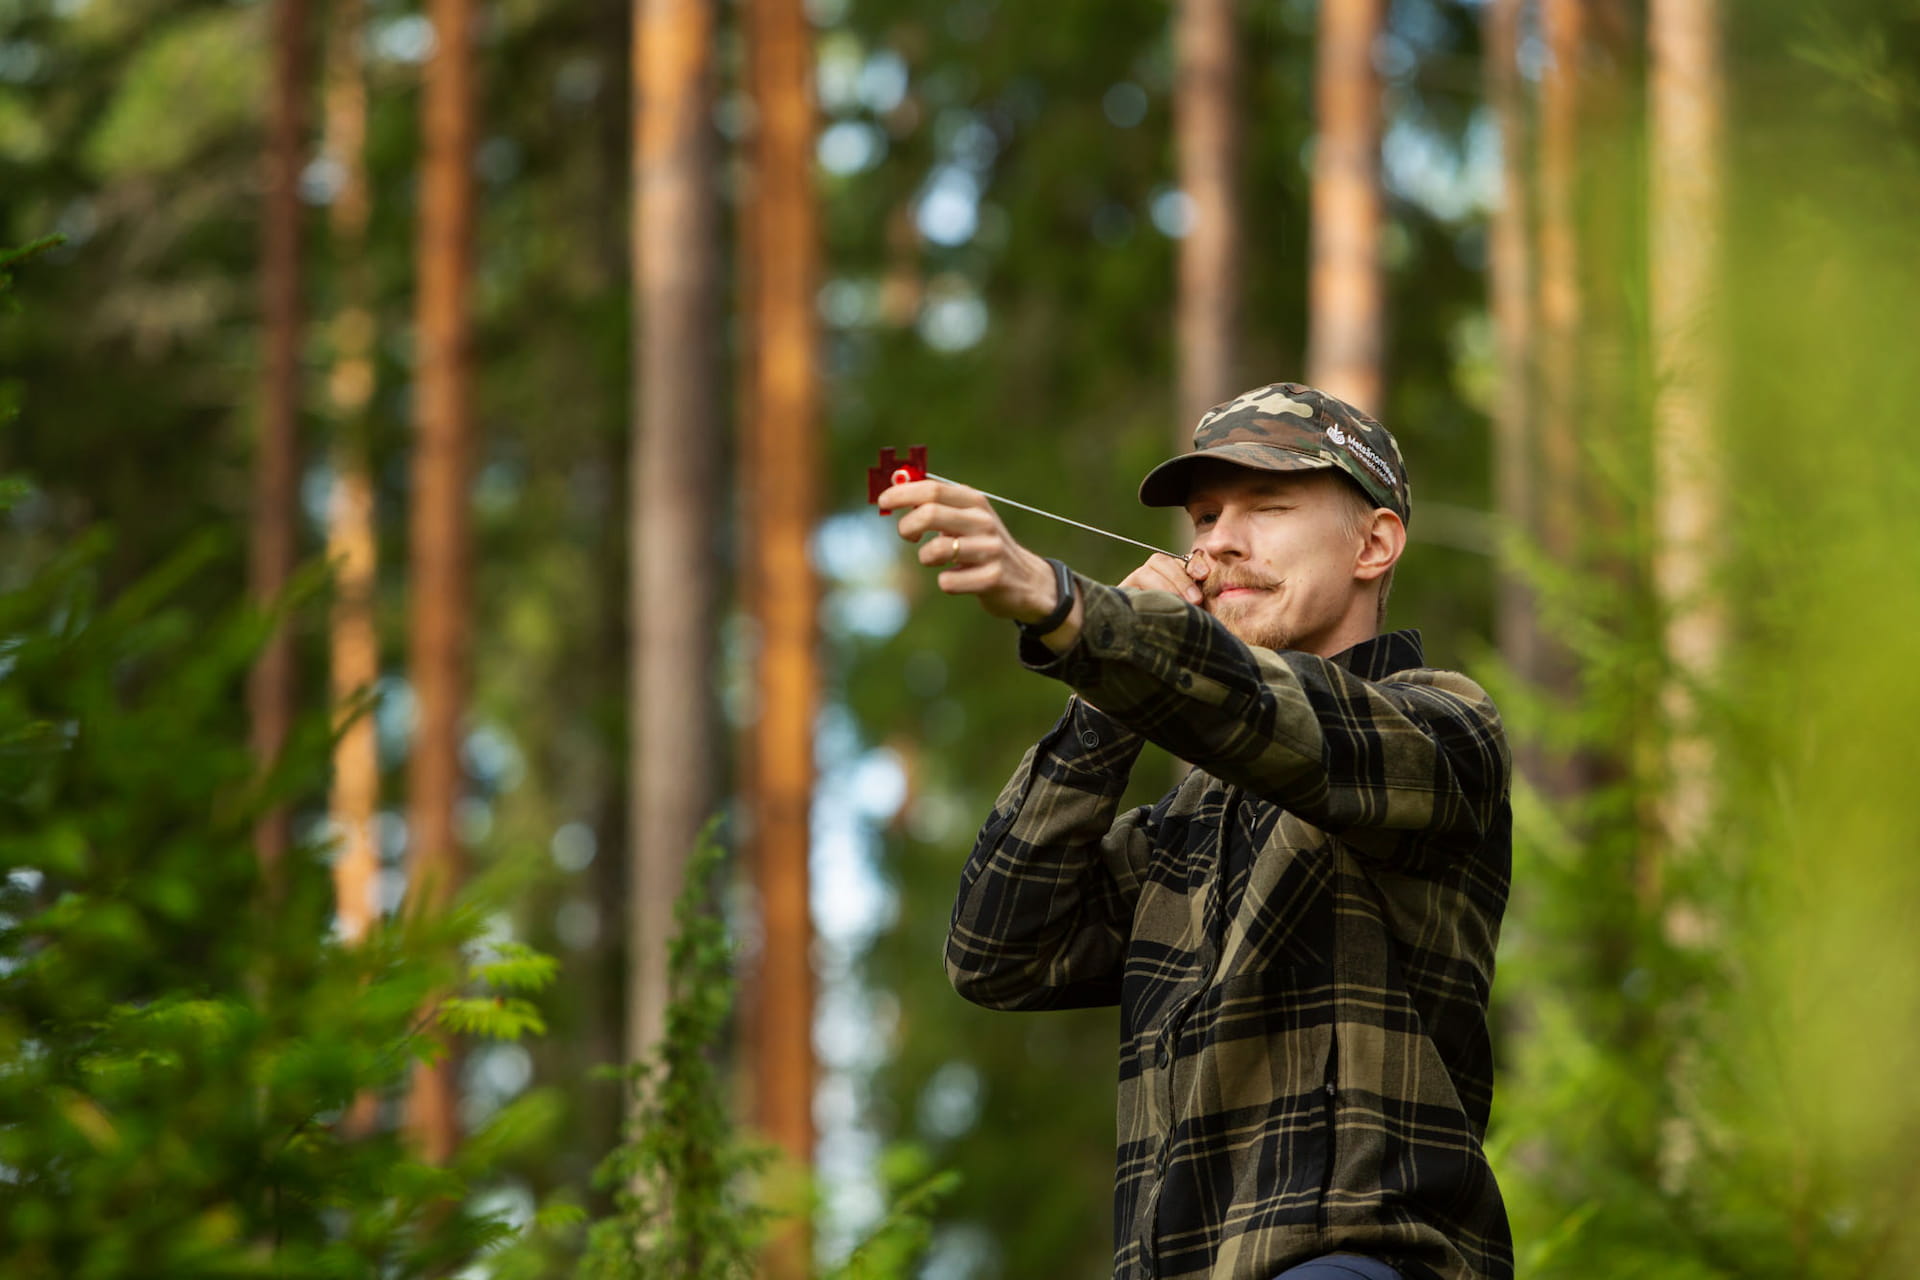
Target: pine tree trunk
(1346,299)
(352,545)
(780,445)
(275,499)
(440,538)
(1510,279)
(1685,111)
(675,482)
(1560,294)
(1206,135)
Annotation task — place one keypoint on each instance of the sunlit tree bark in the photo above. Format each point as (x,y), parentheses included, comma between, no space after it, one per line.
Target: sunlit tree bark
(351,542)
(1685,110)
(352,545)
(440,533)
(1206,140)
(1510,280)
(1346,297)
(275,505)
(1559,282)
(780,445)
(675,481)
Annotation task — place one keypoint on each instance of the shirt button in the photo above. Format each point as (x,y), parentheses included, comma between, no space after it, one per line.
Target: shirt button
(1106,635)
(1186,680)
(1088,738)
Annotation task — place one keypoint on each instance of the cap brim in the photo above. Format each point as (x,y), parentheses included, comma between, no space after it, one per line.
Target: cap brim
(1166,485)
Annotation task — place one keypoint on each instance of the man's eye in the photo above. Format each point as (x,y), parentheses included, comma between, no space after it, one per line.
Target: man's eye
(1201,522)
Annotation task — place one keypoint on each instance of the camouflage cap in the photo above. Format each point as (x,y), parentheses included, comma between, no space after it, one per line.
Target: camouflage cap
(1285,426)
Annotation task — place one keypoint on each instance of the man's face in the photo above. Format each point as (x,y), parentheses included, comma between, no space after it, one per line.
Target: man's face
(1283,556)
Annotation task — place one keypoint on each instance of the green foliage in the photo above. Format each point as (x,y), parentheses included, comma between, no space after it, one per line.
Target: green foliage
(1709,1071)
(183,1035)
(679,1180)
(691,1199)
(194,80)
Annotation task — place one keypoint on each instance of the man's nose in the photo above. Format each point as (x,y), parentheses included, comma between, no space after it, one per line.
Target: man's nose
(1222,540)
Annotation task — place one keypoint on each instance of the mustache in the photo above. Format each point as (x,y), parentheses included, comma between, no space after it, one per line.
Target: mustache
(1228,580)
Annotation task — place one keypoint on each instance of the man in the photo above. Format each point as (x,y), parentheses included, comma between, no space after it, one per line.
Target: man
(1300,936)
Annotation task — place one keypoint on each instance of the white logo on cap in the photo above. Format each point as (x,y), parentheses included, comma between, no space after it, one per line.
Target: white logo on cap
(1362,452)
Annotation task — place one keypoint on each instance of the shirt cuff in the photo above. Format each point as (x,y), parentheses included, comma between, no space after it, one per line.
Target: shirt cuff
(1088,743)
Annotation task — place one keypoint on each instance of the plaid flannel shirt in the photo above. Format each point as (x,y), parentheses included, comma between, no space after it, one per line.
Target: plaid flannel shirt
(1300,937)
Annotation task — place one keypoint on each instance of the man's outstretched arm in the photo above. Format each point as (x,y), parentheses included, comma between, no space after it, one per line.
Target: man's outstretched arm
(1047,896)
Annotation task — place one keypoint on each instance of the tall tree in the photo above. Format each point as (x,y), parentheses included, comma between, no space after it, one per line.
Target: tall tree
(351,542)
(1510,283)
(1559,282)
(440,534)
(780,447)
(275,509)
(1346,300)
(1207,144)
(675,479)
(1685,110)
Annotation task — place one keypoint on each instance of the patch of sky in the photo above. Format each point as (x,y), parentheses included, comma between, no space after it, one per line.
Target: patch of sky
(1393,58)
(576,922)
(573,846)
(393,890)
(510,1204)
(1420,23)
(20,61)
(316,493)
(390,835)
(953,316)
(1171,210)
(839,59)
(883,81)
(321,180)
(961,1251)
(850,146)
(78,221)
(1125,104)
(492,758)
(407,38)
(950,1102)
(948,209)
(1419,164)
(845,302)
(965,139)
(396,714)
(859,554)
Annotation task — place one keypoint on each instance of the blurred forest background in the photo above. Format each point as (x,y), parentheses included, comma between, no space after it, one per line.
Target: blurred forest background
(435,443)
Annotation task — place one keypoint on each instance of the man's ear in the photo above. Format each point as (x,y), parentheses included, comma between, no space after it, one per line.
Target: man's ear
(1386,539)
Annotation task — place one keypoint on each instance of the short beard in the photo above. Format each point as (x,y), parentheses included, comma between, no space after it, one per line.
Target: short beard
(1244,623)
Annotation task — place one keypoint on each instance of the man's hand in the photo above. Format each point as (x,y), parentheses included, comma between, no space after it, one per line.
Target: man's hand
(958,528)
(1163,572)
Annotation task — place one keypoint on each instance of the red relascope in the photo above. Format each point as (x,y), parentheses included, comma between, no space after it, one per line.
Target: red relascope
(892,471)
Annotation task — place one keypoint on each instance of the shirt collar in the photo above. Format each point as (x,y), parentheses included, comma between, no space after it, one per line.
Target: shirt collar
(1380,657)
